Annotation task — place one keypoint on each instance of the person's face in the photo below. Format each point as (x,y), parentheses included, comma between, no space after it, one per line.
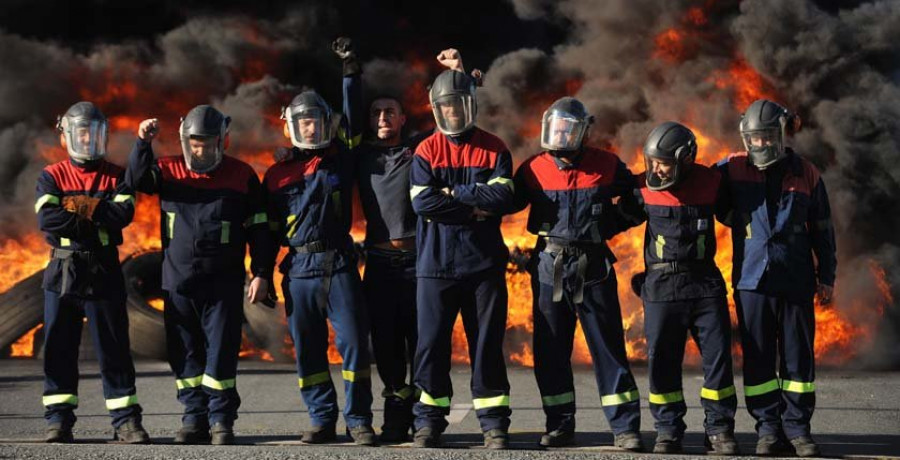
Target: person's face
(204,148)
(665,170)
(83,136)
(762,139)
(452,111)
(562,132)
(309,127)
(386,118)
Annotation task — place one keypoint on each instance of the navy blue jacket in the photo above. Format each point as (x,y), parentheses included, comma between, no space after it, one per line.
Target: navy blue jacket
(573,204)
(65,230)
(777,257)
(206,222)
(476,168)
(308,198)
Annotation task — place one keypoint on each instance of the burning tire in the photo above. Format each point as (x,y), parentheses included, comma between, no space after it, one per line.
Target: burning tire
(266,329)
(143,283)
(22,308)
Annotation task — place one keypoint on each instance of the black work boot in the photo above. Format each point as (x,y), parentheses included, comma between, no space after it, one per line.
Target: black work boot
(131,432)
(558,438)
(805,446)
(221,434)
(393,433)
(427,437)
(193,434)
(630,440)
(722,444)
(362,435)
(667,443)
(56,432)
(496,439)
(771,444)
(320,434)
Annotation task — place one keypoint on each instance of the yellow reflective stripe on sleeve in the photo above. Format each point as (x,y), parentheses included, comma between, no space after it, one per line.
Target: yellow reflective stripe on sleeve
(314,379)
(558,400)
(701,246)
(70,399)
(748,232)
(761,389)
(660,244)
(503,180)
(619,398)
(120,198)
(495,401)
(121,403)
(352,376)
(258,218)
(210,382)
(798,387)
(226,232)
(431,401)
(45,199)
(290,225)
(351,143)
(65,242)
(170,225)
(190,382)
(415,190)
(717,395)
(666,398)
(103,235)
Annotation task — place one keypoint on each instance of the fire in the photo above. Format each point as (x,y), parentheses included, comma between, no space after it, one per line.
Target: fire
(24,347)
(157,304)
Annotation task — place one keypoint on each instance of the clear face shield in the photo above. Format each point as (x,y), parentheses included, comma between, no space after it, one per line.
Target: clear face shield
(86,139)
(309,127)
(454,113)
(661,173)
(561,131)
(765,147)
(202,154)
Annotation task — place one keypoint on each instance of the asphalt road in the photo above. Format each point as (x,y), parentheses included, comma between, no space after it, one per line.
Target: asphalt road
(858,416)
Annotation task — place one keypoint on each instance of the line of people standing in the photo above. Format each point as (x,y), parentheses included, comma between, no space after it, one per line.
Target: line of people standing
(433,204)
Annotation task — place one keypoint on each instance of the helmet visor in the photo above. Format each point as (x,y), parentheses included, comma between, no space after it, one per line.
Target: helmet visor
(454,113)
(765,146)
(661,173)
(86,139)
(202,154)
(309,127)
(562,131)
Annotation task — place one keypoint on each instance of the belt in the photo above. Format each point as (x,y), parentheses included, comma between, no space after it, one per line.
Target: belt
(679,267)
(311,247)
(561,249)
(396,258)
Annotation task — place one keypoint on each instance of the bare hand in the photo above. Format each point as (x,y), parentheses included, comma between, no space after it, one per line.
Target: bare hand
(258,290)
(148,129)
(451,59)
(343,47)
(824,294)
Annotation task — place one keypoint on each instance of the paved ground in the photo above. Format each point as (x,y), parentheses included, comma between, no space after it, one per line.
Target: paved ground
(858,416)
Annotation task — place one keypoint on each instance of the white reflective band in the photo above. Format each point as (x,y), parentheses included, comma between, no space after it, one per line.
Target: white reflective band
(619,398)
(431,401)
(123,198)
(46,199)
(190,382)
(70,399)
(415,190)
(503,180)
(496,401)
(210,382)
(121,403)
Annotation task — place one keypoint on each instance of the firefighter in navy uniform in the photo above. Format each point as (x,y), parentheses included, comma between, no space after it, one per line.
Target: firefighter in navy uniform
(308,199)
(781,219)
(461,185)
(211,209)
(383,163)
(82,207)
(570,188)
(683,289)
